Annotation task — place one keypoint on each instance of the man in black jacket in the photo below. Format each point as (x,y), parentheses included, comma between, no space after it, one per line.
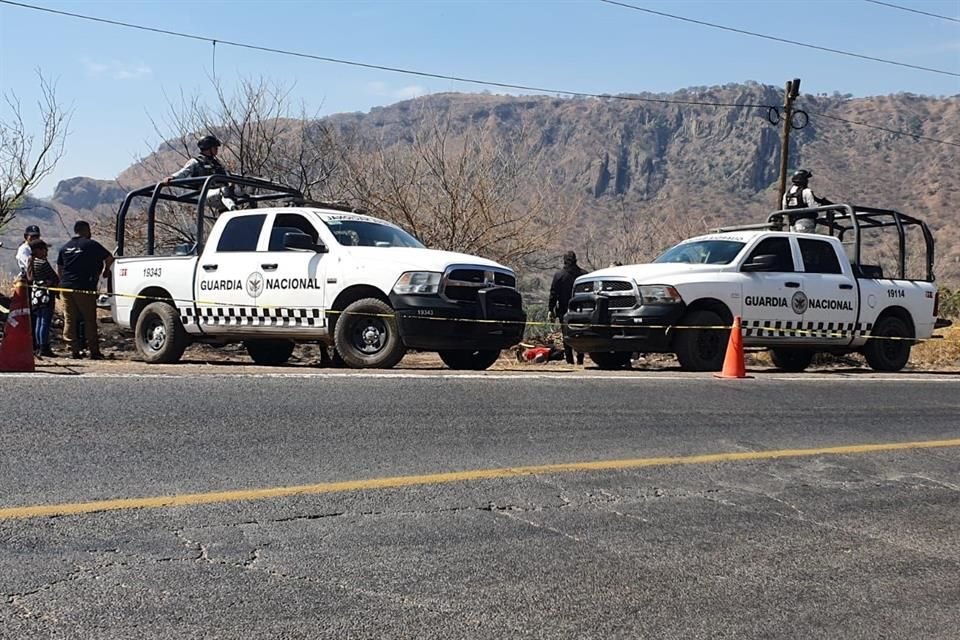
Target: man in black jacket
(561,290)
(80,264)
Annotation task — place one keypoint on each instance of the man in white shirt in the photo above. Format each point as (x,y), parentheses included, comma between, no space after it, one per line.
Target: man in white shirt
(31,233)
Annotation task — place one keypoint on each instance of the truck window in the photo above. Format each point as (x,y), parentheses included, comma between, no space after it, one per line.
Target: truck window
(819,257)
(779,247)
(241,233)
(286,223)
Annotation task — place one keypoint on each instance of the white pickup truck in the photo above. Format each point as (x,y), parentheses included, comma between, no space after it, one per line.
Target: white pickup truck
(272,276)
(796,293)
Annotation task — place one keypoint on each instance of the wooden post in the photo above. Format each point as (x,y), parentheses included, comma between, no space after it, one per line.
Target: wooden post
(792,90)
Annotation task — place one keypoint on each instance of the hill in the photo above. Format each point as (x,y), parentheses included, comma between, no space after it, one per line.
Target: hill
(637,167)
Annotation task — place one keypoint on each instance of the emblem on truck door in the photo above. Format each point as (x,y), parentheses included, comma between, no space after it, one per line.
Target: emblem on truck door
(799,302)
(255,284)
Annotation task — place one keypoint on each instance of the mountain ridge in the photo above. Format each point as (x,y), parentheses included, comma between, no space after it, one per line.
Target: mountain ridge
(643,158)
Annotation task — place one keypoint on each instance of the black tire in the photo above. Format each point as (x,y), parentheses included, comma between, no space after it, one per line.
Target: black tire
(792,360)
(269,353)
(366,335)
(701,349)
(476,360)
(159,335)
(611,361)
(889,355)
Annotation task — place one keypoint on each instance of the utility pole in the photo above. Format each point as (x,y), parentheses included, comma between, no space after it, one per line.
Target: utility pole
(789,95)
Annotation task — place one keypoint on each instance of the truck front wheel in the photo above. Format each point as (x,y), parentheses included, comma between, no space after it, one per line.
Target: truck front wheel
(611,361)
(366,335)
(701,349)
(476,360)
(792,360)
(269,352)
(159,335)
(889,346)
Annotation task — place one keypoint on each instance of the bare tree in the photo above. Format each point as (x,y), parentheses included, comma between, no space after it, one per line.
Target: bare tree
(474,190)
(264,134)
(634,237)
(26,158)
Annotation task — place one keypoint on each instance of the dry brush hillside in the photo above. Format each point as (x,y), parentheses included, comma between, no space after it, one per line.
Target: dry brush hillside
(655,167)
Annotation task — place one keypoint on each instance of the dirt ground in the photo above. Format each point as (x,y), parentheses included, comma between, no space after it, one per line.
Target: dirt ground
(940,356)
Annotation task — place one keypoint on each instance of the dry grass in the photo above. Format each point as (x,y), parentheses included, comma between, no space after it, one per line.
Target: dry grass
(938,353)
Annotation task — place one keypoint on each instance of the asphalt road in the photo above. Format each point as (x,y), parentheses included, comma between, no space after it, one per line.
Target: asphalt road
(772,541)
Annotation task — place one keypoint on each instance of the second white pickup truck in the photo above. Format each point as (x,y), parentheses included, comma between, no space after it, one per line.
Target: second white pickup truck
(797,294)
(307,272)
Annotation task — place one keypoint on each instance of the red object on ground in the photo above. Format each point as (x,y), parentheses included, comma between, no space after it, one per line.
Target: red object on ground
(733,365)
(537,354)
(16,349)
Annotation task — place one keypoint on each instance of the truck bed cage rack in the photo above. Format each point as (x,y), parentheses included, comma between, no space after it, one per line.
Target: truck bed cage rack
(839,219)
(194,191)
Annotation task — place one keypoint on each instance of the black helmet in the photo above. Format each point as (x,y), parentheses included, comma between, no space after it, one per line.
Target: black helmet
(800,177)
(208,142)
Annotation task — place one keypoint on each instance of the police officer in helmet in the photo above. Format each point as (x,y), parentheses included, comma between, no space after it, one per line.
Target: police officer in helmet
(207,164)
(801,196)
(203,164)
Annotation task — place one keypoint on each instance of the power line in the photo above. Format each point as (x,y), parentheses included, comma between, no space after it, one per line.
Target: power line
(782,40)
(924,13)
(365,65)
(888,130)
(426,74)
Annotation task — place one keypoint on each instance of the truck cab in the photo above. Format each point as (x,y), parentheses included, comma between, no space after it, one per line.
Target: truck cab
(301,271)
(796,293)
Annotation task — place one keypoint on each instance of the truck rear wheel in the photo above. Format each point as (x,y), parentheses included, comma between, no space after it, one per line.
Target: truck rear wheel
(883,353)
(476,360)
(159,335)
(269,352)
(701,349)
(366,335)
(792,360)
(610,361)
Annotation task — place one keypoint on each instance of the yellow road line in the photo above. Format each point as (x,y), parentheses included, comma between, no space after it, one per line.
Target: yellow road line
(455,476)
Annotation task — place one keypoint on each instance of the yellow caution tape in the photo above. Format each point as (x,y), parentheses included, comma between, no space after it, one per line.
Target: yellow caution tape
(527,323)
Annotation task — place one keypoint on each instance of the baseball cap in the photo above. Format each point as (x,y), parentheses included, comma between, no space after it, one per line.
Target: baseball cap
(32,230)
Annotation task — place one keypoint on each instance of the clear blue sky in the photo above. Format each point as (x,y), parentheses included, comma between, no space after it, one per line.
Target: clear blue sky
(114,79)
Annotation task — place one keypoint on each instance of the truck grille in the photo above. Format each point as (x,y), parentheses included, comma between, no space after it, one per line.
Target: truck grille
(463,283)
(606,286)
(478,276)
(619,294)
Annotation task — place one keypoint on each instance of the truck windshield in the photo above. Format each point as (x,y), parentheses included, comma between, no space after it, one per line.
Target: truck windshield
(362,233)
(702,252)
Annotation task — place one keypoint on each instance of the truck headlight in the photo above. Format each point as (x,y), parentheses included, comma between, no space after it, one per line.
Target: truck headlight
(418,283)
(659,294)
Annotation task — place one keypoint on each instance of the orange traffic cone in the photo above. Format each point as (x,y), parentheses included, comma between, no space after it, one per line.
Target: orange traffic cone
(16,349)
(733,366)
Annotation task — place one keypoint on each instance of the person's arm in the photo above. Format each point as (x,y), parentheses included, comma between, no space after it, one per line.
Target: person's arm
(554,294)
(185,172)
(820,201)
(60,265)
(107,258)
(29,270)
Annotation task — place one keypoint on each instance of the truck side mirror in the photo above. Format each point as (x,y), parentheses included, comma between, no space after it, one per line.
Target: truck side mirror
(765,262)
(303,242)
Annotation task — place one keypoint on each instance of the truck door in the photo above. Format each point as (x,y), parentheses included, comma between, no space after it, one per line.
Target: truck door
(770,296)
(831,311)
(288,284)
(223,303)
